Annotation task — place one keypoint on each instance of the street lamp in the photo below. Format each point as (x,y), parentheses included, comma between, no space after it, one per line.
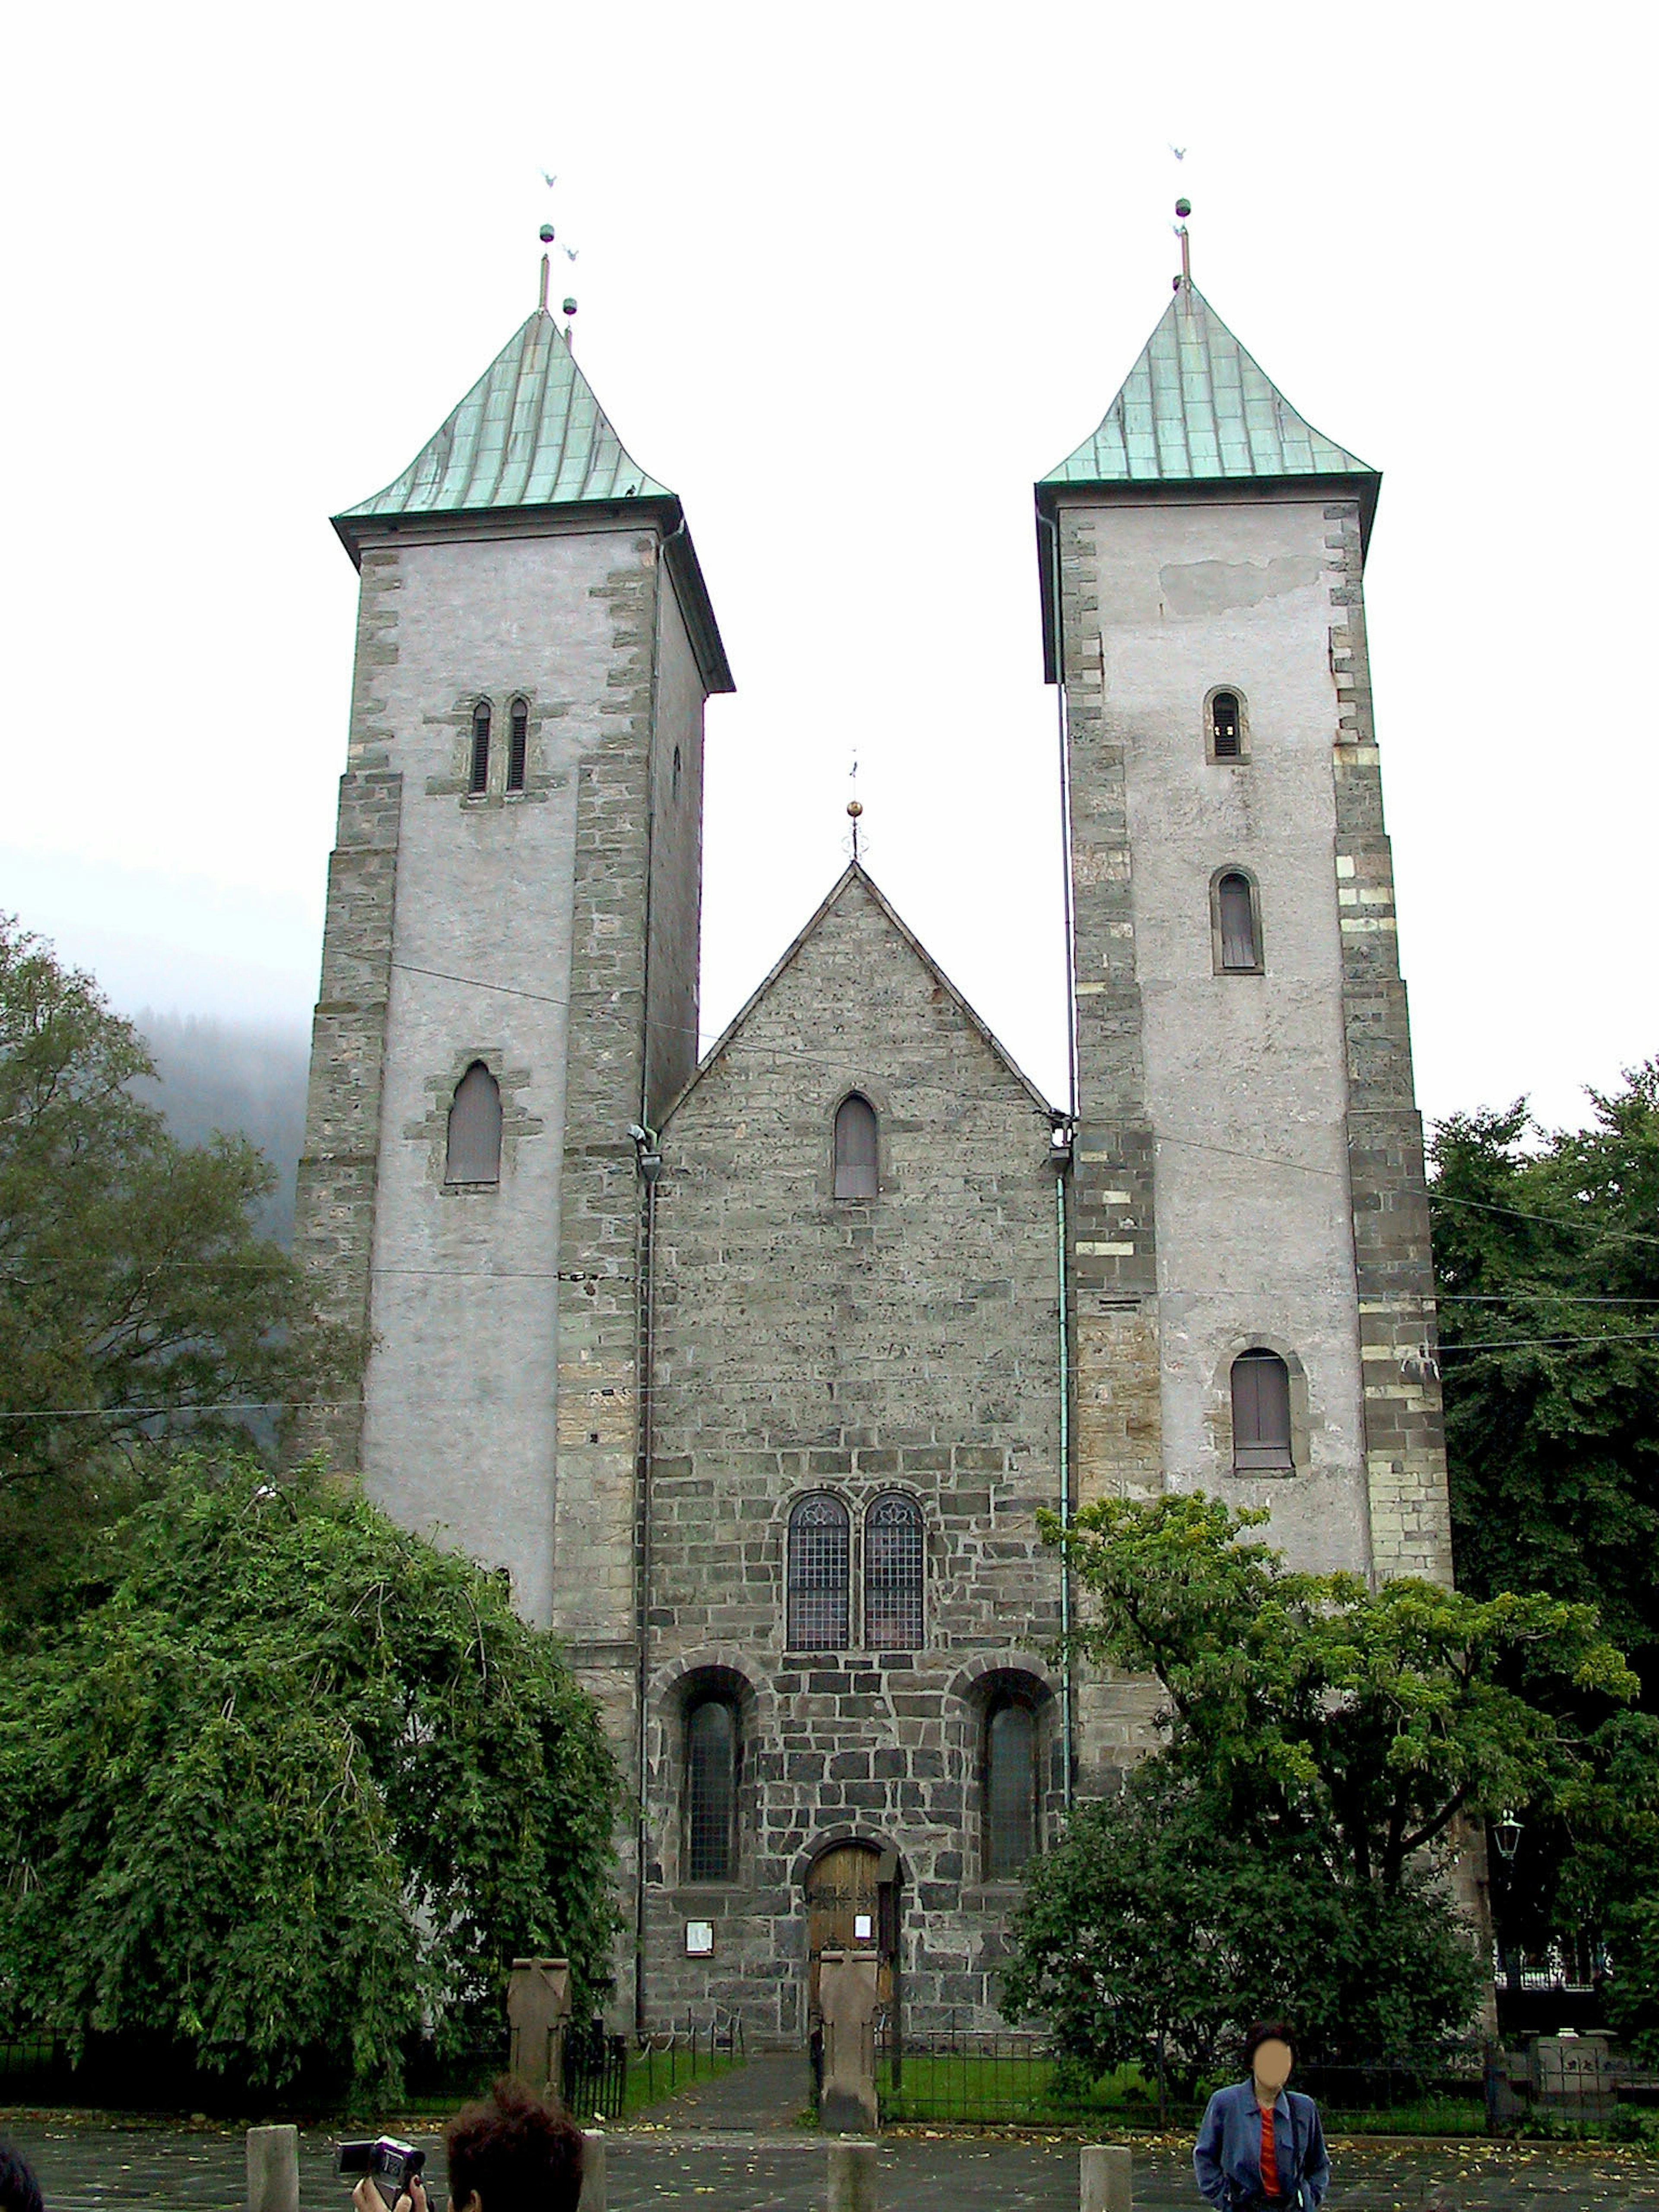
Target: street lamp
(1506,1834)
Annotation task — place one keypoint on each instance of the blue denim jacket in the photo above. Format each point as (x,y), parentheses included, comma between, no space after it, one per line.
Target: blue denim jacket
(1227,2157)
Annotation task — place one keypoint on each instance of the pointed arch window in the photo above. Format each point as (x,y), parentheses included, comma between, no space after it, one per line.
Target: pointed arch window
(479,778)
(1262,1414)
(518,743)
(712,1755)
(818,1576)
(1237,923)
(894,1560)
(855,1147)
(473,1153)
(1011,1788)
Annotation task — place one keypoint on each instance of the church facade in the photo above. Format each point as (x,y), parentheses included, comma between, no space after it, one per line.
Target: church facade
(755,1373)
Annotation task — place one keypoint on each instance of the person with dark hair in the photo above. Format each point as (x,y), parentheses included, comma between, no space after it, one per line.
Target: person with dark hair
(1261,2145)
(509,2153)
(19,2190)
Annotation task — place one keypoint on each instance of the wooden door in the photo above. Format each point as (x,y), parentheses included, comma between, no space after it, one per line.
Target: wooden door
(850,1908)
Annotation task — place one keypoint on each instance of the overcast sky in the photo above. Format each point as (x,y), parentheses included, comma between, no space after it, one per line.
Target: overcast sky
(850,280)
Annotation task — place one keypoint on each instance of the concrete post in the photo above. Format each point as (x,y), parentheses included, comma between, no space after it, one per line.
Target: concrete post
(593,2184)
(273,2170)
(1106,2181)
(537,2007)
(852,2176)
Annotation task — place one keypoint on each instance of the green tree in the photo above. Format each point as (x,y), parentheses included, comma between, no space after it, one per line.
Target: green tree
(136,1304)
(1547,1257)
(290,1781)
(1322,1742)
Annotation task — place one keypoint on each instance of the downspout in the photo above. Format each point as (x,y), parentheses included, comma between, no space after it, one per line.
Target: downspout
(1062,1165)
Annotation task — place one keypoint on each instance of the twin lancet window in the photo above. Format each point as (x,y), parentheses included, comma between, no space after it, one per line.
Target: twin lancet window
(518,747)
(818,1598)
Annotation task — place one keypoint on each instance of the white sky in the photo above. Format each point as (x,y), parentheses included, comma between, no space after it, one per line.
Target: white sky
(850,279)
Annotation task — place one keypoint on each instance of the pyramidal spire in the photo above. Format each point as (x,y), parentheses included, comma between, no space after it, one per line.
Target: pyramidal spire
(1196,407)
(529,434)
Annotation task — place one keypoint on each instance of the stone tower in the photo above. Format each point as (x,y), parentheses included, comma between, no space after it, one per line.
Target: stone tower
(509,982)
(1248,1180)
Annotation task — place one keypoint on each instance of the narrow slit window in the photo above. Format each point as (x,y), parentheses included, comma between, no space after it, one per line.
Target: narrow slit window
(711,1790)
(1236,916)
(479,778)
(1223,726)
(474,1150)
(1262,1414)
(856,1148)
(818,1596)
(1010,1791)
(893,1574)
(518,744)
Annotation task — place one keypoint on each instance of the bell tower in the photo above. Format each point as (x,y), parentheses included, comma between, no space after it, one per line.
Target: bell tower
(1252,1309)
(509,982)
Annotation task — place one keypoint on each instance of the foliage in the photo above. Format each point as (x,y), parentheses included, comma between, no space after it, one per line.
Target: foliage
(291,1781)
(1158,1931)
(1547,1254)
(136,1304)
(1349,1724)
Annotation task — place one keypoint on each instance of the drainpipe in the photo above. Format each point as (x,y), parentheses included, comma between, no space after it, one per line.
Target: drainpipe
(648,1157)
(1061,1156)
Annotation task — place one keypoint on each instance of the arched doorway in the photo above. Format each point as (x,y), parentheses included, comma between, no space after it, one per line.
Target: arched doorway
(852,1905)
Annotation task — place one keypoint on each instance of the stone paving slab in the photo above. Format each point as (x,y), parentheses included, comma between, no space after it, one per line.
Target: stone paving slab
(93,2167)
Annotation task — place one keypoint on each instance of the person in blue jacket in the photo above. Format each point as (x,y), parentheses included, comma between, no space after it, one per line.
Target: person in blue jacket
(1260,2144)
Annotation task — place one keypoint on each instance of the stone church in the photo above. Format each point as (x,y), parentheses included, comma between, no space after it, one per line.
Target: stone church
(753,1372)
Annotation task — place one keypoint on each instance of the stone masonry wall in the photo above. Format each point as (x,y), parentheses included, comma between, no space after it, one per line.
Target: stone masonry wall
(804,1344)
(1405,1436)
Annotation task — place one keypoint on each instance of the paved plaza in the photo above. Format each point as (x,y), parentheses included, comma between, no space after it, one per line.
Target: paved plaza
(88,2167)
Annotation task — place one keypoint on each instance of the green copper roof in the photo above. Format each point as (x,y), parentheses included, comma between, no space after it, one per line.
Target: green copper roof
(1196,407)
(529,434)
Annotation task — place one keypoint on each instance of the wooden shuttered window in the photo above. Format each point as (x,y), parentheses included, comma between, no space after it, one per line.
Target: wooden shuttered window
(1236,919)
(1224,727)
(473,1153)
(711,1791)
(1262,1414)
(518,744)
(893,1575)
(478,779)
(818,1572)
(856,1148)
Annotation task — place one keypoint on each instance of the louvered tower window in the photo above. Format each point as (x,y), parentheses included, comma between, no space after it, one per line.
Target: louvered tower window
(518,744)
(1236,919)
(818,1576)
(856,1148)
(479,778)
(1223,726)
(711,1790)
(1011,1788)
(474,1150)
(1262,1414)
(893,1569)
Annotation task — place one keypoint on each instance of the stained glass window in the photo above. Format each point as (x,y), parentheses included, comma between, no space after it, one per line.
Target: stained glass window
(818,1591)
(893,1573)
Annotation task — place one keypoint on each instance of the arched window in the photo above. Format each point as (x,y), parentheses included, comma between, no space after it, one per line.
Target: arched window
(892,1575)
(1224,743)
(818,1592)
(1262,1414)
(518,745)
(1011,1788)
(474,1150)
(711,1790)
(856,1148)
(1234,920)
(480,780)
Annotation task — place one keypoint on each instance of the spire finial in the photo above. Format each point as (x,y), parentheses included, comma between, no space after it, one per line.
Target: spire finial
(547,268)
(855,804)
(1183,209)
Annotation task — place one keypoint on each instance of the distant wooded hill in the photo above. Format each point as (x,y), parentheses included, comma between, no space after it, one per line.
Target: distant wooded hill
(244,1078)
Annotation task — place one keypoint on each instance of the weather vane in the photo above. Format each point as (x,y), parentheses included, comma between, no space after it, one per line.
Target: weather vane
(549,237)
(854,806)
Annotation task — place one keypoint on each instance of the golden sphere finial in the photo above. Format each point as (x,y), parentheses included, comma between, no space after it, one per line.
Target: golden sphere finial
(855,807)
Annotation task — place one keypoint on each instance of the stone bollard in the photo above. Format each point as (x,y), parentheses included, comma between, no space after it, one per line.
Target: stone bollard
(849,2000)
(1106,2183)
(537,2007)
(852,2176)
(273,2170)
(592,2195)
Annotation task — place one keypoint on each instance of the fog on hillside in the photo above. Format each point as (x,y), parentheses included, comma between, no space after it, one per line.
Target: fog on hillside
(245,1078)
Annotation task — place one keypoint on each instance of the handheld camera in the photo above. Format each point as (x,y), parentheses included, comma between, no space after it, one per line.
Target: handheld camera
(391,2165)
